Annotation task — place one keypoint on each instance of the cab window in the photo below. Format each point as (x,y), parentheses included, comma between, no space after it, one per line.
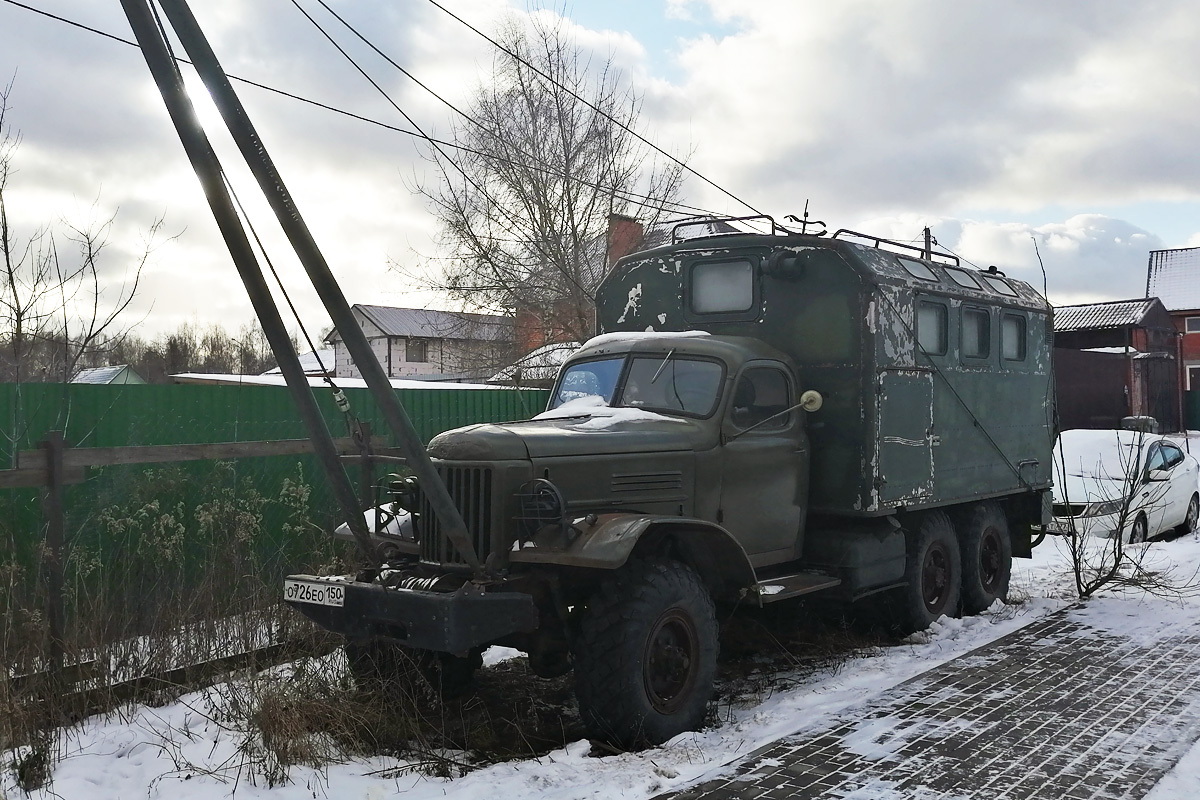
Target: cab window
(931,328)
(976,333)
(1012,337)
(722,287)
(761,398)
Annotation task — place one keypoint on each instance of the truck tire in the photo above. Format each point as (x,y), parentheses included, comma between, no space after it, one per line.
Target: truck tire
(932,573)
(646,655)
(986,557)
(381,666)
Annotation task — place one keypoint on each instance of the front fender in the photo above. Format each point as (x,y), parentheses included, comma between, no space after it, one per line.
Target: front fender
(609,542)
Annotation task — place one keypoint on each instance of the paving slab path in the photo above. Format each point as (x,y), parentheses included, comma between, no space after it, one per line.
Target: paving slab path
(1066,708)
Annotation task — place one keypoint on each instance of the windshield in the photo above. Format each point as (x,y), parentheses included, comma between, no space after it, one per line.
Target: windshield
(655,383)
(589,379)
(667,383)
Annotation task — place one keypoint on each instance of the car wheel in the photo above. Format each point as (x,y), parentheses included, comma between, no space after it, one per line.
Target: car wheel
(1137,534)
(1193,515)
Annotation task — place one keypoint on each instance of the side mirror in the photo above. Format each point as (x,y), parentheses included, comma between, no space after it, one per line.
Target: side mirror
(811,400)
(1158,475)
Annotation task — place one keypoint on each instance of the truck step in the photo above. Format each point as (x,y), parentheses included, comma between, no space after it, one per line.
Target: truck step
(770,590)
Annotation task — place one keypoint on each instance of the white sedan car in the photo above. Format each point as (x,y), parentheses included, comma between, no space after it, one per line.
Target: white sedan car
(1136,484)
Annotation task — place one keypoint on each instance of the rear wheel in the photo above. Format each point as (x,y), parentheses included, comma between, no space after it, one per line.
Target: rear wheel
(933,574)
(1137,533)
(1193,516)
(646,655)
(986,557)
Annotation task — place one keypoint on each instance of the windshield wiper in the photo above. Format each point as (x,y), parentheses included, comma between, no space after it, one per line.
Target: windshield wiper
(662,366)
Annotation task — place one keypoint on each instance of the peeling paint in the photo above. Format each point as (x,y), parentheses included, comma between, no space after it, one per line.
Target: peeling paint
(631,305)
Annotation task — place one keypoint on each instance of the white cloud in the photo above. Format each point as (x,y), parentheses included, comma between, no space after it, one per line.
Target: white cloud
(886,114)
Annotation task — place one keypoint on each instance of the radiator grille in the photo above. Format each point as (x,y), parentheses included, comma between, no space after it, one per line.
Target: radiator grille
(471,490)
(1072,510)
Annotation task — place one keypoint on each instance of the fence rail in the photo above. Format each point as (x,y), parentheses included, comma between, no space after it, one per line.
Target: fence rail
(34,469)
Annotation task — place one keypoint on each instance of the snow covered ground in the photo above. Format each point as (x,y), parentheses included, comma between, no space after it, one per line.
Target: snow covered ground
(177,752)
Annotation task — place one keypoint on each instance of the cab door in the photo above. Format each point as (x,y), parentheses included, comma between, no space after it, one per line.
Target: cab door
(764,465)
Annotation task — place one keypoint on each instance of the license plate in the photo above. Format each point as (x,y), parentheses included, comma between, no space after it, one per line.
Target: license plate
(1059,527)
(321,594)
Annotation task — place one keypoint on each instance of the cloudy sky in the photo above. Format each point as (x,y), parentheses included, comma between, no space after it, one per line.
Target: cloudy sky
(995,123)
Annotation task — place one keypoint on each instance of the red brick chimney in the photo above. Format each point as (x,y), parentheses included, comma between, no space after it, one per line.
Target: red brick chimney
(624,236)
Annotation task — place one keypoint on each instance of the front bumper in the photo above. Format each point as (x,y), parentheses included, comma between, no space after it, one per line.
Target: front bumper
(440,621)
(1103,526)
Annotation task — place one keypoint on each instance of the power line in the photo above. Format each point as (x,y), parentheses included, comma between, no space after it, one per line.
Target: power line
(625,195)
(591,105)
(530,161)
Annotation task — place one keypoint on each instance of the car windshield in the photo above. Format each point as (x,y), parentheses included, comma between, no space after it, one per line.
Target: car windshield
(1103,455)
(666,383)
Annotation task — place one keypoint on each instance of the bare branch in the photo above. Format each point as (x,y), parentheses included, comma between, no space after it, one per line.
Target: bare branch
(524,208)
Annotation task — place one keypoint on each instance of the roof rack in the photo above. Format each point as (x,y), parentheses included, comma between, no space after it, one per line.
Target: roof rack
(879,241)
(710,220)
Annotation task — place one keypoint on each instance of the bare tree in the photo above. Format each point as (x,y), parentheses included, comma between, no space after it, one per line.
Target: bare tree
(527,192)
(57,311)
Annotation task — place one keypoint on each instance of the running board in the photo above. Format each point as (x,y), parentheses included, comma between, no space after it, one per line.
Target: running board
(785,586)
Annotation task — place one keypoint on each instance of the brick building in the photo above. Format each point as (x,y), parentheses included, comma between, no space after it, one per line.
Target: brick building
(1114,360)
(1173,276)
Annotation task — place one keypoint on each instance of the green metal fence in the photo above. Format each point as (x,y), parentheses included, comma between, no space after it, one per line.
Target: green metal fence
(110,416)
(121,516)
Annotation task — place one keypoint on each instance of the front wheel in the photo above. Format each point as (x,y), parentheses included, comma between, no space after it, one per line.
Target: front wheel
(1137,534)
(1193,515)
(646,655)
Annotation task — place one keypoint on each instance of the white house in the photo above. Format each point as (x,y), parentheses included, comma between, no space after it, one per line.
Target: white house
(420,342)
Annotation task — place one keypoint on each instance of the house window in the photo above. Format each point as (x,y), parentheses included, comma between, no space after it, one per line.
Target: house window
(416,350)
(1193,378)
(1192,325)
(931,328)
(1012,337)
(976,333)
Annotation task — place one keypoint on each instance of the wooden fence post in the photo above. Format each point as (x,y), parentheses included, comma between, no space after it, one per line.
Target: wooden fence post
(367,477)
(55,523)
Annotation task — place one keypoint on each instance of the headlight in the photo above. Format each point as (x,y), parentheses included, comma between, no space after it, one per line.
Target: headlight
(405,494)
(1104,509)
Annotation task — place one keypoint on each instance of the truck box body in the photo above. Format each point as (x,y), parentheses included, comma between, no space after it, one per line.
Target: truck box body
(902,426)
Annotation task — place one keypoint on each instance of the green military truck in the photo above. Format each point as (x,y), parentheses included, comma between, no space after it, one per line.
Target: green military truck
(763,416)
